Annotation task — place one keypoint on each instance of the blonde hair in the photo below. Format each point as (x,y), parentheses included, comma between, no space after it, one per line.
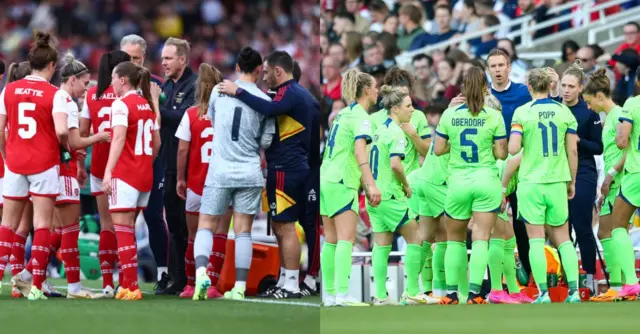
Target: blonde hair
(391,97)
(182,46)
(576,70)
(353,84)
(540,80)
(492,102)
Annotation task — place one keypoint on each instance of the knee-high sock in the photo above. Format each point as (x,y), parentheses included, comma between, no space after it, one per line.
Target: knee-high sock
(463,280)
(569,259)
(496,255)
(70,252)
(509,266)
(202,246)
(108,256)
(427,267)
(55,239)
(243,256)
(6,241)
(127,255)
(538,263)
(439,282)
(216,259)
(380,261)
(328,267)
(412,267)
(343,266)
(478,264)
(17,253)
(40,255)
(626,255)
(453,264)
(190,264)
(609,250)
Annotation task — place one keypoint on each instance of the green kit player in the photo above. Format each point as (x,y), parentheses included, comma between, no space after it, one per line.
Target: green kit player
(546,132)
(597,93)
(474,135)
(628,138)
(345,168)
(393,214)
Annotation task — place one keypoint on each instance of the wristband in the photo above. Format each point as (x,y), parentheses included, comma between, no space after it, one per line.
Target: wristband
(362,164)
(612,172)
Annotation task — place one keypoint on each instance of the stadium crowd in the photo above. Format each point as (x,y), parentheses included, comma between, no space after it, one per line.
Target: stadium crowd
(369,35)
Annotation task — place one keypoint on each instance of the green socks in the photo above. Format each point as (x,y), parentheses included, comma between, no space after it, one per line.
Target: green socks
(427,269)
(463,279)
(569,260)
(478,264)
(455,261)
(539,263)
(343,266)
(625,254)
(609,250)
(509,265)
(380,261)
(328,263)
(439,282)
(412,260)
(496,255)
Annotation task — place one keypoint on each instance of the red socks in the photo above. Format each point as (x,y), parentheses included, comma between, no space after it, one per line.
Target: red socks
(70,253)
(17,254)
(40,255)
(190,264)
(55,239)
(216,260)
(6,242)
(128,255)
(107,255)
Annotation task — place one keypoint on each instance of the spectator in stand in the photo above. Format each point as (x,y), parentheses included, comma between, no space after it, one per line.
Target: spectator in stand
(569,54)
(626,64)
(332,78)
(372,57)
(387,43)
(369,39)
(324,44)
(447,86)
(588,56)
(423,66)
(518,67)
(410,20)
(343,23)
(469,21)
(485,7)
(337,52)
(391,24)
(354,7)
(379,12)
(488,41)
(352,43)
(443,18)
(631,32)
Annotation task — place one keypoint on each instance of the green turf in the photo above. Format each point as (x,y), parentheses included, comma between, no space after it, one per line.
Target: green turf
(493,319)
(155,315)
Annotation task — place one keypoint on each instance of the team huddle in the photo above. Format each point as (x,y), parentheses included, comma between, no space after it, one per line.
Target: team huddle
(483,150)
(43,144)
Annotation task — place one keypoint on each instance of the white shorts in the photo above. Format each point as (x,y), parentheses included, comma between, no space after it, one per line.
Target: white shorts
(192,206)
(69,191)
(96,185)
(19,187)
(126,198)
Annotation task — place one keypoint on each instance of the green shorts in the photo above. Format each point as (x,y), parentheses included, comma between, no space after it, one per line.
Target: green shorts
(504,215)
(390,215)
(433,198)
(336,198)
(543,203)
(416,197)
(473,194)
(630,189)
(607,203)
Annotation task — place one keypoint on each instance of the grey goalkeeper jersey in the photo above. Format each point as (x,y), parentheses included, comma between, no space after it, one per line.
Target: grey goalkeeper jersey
(237,132)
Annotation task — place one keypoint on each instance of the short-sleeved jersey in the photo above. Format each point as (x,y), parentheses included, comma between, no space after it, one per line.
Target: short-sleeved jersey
(612,153)
(135,165)
(70,168)
(339,163)
(98,110)
(236,148)
(631,113)
(502,164)
(471,138)
(388,142)
(543,125)
(198,131)
(435,169)
(32,144)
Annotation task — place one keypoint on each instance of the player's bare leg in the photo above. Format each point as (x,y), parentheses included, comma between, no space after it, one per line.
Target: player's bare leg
(21,278)
(124,226)
(216,259)
(622,212)
(42,222)
(202,247)
(242,224)
(189,262)
(11,214)
(107,247)
(290,248)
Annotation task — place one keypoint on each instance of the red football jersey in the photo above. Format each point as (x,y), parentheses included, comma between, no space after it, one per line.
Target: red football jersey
(198,131)
(1,167)
(32,144)
(98,110)
(135,165)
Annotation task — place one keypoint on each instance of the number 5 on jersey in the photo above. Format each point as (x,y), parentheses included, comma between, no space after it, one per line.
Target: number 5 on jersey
(144,137)
(28,121)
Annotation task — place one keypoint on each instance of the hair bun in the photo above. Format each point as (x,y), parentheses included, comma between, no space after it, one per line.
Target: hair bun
(43,38)
(386,90)
(577,64)
(69,58)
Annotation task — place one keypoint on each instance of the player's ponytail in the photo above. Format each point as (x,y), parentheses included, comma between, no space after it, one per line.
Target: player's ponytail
(43,51)
(391,97)
(540,80)
(208,77)
(143,77)
(18,71)
(353,84)
(598,83)
(108,62)
(72,68)
(475,87)
(576,70)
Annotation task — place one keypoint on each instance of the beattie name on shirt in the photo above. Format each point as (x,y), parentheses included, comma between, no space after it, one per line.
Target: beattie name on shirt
(29,91)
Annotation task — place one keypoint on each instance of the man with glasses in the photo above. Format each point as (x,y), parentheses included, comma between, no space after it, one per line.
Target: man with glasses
(589,63)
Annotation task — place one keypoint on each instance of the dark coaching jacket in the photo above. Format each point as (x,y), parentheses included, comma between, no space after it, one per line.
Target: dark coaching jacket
(180,96)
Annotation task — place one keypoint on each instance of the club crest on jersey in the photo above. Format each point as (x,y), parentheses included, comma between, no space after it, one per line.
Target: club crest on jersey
(179,97)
